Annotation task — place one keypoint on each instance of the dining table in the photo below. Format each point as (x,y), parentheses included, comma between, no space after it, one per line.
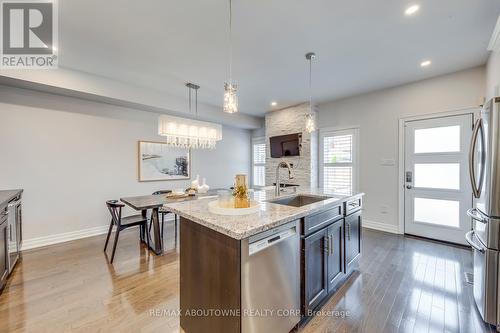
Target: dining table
(154,203)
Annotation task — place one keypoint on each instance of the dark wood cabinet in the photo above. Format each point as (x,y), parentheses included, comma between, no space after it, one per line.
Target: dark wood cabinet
(331,245)
(335,258)
(318,221)
(352,230)
(323,264)
(315,271)
(4,251)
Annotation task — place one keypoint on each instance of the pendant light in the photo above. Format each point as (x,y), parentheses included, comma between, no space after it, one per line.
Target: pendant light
(310,117)
(189,133)
(230,98)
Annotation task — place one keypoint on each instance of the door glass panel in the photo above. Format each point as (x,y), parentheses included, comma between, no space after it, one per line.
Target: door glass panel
(438,175)
(437,211)
(437,139)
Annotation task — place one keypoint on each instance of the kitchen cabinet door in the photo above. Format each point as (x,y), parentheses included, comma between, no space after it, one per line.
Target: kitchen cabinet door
(315,270)
(335,255)
(352,239)
(4,254)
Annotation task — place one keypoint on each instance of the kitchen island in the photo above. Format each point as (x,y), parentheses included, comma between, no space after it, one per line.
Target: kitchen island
(265,271)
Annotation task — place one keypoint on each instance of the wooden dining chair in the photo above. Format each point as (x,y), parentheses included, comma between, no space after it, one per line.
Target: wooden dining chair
(121,223)
(163,212)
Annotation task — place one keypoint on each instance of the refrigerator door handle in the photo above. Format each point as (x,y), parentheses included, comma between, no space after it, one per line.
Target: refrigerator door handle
(476,188)
(468,238)
(472,212)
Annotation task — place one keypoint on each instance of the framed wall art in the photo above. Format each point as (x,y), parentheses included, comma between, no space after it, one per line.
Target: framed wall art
(159,161)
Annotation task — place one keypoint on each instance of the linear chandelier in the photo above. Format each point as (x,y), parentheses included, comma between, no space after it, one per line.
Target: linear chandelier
(189,133)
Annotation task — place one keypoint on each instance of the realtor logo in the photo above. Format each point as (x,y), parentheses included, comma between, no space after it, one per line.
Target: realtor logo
(29,34)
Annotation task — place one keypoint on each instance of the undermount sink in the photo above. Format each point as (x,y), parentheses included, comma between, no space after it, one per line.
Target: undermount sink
(298,200)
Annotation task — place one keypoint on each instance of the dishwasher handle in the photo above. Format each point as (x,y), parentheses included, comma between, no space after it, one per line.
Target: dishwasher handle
(271,240)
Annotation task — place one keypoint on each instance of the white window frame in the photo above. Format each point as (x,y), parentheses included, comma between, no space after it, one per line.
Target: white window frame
(256,141)
(334,131)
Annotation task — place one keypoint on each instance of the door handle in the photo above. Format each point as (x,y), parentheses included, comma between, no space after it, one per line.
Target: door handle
(331,245)
(476,188)
(326,245)
(348,231)
(468,238)
(472,212)
(409,187)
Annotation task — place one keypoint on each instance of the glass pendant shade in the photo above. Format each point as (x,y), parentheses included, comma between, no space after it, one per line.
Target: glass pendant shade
(188,133)
(310,117)
(310,123)
(230,98)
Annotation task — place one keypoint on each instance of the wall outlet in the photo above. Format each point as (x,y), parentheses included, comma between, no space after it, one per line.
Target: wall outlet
(384,209)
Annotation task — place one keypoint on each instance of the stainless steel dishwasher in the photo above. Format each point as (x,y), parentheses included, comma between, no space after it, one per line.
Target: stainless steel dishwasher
(270,280)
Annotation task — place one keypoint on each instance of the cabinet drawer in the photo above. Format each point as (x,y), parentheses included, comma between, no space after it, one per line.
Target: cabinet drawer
(316,222)
(353,205)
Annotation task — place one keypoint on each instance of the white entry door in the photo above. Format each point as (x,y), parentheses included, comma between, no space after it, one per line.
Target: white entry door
(437,188)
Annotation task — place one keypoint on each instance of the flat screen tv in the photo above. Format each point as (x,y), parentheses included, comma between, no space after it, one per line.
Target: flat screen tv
(285,145)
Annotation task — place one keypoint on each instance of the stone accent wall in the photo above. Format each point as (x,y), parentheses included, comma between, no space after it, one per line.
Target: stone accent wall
(305,167)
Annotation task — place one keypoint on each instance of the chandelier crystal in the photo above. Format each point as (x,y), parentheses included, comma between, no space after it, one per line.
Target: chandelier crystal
(230,98)
(310,123)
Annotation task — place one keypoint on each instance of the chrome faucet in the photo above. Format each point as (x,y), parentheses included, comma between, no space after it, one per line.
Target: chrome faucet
(282,164)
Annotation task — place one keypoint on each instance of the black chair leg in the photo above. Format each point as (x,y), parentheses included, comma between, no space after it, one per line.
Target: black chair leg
(109,234)
(147,235)
(114,245)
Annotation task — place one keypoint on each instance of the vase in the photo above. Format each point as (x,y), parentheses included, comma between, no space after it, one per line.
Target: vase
(204,187)
(241,199)
(196,183)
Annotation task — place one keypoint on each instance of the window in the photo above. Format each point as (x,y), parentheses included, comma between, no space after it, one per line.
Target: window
(259,162)
(338,160)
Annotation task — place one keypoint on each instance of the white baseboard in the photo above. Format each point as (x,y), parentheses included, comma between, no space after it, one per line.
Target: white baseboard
(380,226)
(34,243)
(64,237)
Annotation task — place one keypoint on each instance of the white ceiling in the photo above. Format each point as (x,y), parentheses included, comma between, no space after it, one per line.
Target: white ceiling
(362,45)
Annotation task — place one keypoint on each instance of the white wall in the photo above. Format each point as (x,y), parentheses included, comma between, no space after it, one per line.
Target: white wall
(493,75)
(70,155)
(377,116)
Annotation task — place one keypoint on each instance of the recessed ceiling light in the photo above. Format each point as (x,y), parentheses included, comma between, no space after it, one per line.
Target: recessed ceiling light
(425,63)
(412,10)
(274,103)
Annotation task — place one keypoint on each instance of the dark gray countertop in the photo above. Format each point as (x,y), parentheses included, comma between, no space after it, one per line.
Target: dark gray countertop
(7,195)
(156,201)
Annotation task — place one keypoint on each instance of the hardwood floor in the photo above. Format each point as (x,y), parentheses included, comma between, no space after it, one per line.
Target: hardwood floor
(405,285)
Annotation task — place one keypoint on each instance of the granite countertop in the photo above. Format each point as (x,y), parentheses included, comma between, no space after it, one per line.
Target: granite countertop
(270,215)
(7,195)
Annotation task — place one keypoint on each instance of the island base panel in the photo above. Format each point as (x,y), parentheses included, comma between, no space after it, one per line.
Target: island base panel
(209,280)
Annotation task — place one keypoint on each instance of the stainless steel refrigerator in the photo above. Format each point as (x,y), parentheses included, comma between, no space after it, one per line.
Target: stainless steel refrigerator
(484,169)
